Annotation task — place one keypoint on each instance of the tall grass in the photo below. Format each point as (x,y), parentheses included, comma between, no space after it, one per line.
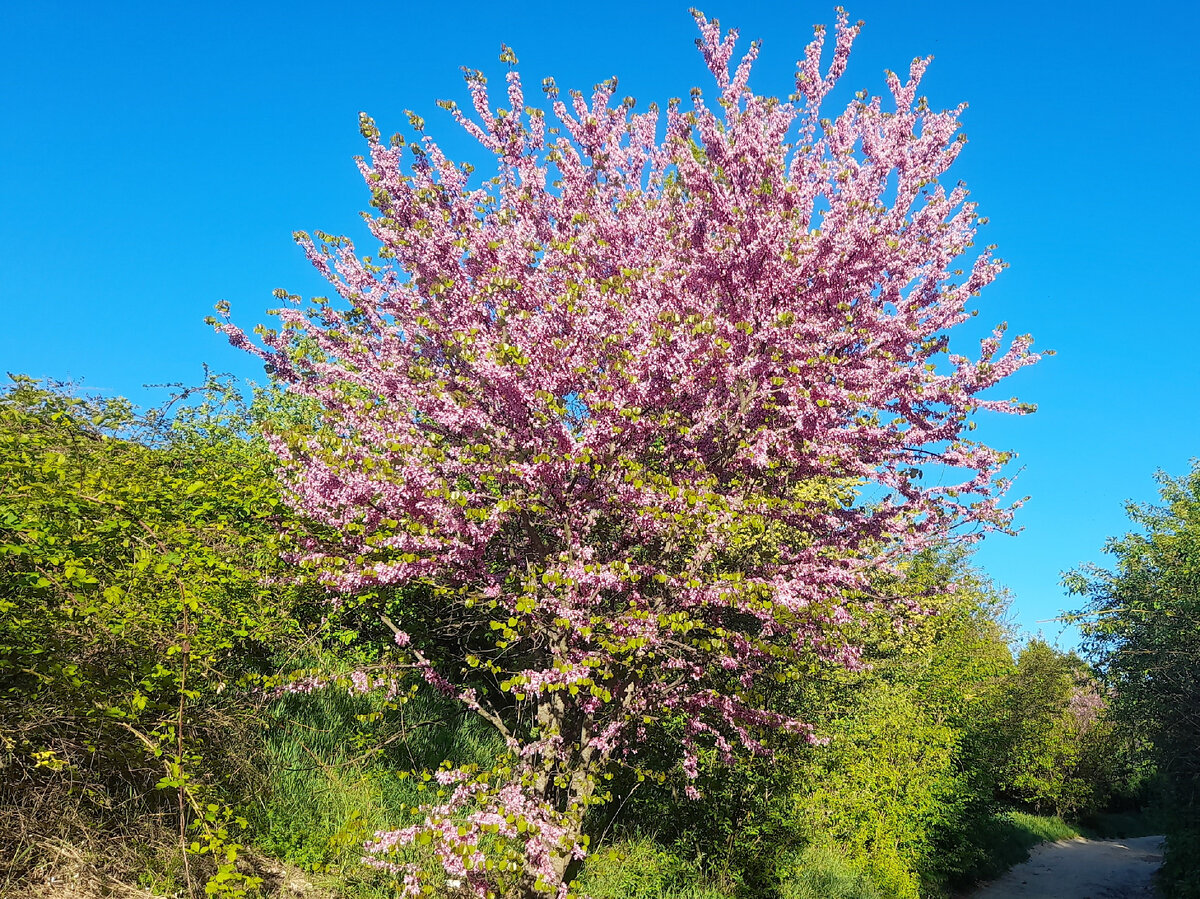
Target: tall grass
(821,871)
(1005,838)
(336,768)
(639,868)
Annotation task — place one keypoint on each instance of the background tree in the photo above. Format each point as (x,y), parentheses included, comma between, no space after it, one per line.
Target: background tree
(601,419)
(1142,624)
(1052,712)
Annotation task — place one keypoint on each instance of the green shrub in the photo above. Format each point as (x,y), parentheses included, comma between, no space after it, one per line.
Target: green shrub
(140,585)
(641,869)
(821,871)
(1181,863)
(1123,825)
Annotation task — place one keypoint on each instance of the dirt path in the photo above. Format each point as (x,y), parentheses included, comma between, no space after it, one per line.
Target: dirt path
(1082,869)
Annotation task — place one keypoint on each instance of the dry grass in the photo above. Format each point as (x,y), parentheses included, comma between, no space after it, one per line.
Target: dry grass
(90,833)
(62,870)
(96,825)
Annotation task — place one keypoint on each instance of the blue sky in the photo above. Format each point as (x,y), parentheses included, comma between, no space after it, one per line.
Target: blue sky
(155,158)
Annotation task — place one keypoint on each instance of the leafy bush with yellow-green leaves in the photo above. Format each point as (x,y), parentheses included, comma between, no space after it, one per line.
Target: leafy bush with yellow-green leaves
(140,585)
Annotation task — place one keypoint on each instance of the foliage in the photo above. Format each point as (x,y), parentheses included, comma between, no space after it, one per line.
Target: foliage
(902,794)
(822,871)
(910,772)
(595,425)
(1140,622)
(135,554)
(1056,734)
(1123,825)
(887,779)
(642,869)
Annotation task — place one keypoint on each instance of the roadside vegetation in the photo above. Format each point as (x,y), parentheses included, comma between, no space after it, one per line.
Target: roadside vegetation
(184,712)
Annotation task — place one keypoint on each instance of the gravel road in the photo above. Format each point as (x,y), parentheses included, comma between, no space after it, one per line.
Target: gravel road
(1082,869)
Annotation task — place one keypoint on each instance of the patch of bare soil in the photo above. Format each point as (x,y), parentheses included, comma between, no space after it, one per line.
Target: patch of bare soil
(1082,869)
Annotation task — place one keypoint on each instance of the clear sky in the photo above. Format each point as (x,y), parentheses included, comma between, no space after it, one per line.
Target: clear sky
(155,158)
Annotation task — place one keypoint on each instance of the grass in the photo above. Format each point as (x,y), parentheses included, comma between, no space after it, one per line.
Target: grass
(641,869)
(1006,838)
(822,872)
(1028,830)
(331,784)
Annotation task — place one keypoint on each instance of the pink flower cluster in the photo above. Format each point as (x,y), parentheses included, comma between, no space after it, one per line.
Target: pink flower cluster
(525,836)
(357,683)
(1086,705)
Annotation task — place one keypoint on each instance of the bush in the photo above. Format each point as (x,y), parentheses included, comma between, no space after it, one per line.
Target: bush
(1181,861)
(137,552)
(641,869)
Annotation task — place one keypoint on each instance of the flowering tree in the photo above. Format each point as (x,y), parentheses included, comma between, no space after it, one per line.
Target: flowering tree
(607,415)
